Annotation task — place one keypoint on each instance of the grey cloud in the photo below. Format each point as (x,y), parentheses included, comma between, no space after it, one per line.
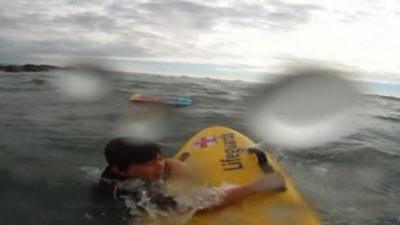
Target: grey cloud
(37,32)
(139,29)
(175,5)
(354,16)
(80,3)
(66,47)
(190,16)
(163,15)
(23,21)
(88,21)
(270,15)
(52,17)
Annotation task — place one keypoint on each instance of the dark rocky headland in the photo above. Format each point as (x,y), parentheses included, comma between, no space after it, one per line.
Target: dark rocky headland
(29,68)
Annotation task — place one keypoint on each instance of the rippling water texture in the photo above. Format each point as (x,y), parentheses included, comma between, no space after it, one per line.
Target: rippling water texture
(51,146)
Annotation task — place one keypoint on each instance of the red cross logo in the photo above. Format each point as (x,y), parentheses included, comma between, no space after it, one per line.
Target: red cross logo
(205,142)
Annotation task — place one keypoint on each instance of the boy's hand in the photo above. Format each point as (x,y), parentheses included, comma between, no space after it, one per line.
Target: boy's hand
(268,183)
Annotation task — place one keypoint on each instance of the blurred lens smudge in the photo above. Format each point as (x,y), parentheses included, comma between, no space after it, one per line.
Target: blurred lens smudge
(308,107)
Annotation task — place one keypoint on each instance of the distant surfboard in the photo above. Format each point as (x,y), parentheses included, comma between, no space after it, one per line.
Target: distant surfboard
(169,100)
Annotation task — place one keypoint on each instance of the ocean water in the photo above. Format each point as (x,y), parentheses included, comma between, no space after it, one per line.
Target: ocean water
(51,146)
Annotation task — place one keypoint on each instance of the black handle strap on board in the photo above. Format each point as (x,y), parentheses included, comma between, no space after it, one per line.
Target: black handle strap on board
(262,159)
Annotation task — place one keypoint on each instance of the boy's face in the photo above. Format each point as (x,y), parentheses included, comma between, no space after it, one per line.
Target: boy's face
(149,171)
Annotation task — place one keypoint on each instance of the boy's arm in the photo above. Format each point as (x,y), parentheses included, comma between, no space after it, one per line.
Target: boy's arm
(231,196)
(176,167)
(269,183)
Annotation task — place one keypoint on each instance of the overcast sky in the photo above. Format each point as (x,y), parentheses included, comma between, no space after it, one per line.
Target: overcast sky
(236,39)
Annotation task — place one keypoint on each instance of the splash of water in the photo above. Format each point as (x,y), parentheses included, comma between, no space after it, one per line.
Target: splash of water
(92,173)
(188,202)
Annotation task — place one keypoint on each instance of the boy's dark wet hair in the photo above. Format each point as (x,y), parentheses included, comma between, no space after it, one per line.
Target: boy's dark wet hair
(123,151)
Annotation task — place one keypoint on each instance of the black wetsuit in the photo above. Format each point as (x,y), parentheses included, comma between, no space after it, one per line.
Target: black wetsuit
(115,187)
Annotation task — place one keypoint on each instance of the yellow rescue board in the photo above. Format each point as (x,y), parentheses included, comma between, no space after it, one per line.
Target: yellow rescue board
(220,155)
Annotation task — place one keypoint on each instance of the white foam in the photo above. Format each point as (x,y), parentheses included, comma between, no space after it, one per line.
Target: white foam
(188,202)
(92,173)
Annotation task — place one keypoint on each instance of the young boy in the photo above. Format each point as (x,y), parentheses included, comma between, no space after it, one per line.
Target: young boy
(129,160)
